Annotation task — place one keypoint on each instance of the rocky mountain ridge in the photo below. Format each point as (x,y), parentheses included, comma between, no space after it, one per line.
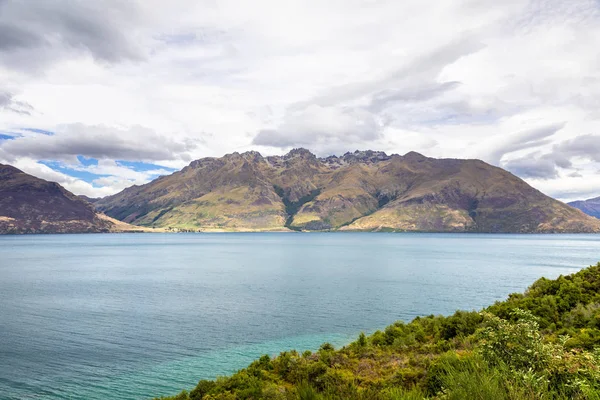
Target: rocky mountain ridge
(363,190)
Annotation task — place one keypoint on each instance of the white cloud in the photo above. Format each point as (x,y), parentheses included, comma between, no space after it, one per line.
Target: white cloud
(330,129)
(480,79)
(112,176)
(70,183)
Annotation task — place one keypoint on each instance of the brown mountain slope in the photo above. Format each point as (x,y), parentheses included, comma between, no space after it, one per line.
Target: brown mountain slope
(32,205)
(215,193)
(358,191)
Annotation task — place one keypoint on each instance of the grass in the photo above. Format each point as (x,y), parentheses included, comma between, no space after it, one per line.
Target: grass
(236,209)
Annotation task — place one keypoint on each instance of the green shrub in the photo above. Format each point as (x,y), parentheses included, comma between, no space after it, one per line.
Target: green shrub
(470,378)
(202,388)
(518,345)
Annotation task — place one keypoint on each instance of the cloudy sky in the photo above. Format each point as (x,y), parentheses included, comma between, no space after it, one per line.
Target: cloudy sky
(100,95)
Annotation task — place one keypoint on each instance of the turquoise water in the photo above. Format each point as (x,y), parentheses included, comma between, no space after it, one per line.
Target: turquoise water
(132,316)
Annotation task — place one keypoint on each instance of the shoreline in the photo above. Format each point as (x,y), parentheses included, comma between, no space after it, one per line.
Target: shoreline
(160,230)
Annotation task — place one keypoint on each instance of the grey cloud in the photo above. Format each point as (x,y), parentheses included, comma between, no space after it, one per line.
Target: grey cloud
(324,123)
(560,160)
(587,146)
(273,137)
(323,129)
(525,140)
(421,71)
(14,37)
(530,166)
(36,32)
(7,102)
(5,99)
(135,143)
(410,94)
(438,111)
(545,166)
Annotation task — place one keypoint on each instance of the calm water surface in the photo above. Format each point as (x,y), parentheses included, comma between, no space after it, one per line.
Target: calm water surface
(133,316)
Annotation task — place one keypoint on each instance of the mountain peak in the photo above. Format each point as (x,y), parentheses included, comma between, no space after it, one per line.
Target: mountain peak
(413,155)
(9,169)
(252,156)
(365,156)
(300,152)
(252,153)
(245,154)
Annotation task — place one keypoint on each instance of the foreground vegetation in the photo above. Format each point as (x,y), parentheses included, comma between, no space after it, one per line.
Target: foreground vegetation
(543,344)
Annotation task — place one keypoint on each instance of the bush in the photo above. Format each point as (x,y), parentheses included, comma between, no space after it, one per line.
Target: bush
(518,345)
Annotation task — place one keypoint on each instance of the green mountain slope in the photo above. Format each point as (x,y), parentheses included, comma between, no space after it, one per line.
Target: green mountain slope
(543,344)
(358,191)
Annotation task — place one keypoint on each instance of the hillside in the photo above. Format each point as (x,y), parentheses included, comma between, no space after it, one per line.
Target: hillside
(32,205)
(90,200)
(366,191)
(590,207)
(542,344)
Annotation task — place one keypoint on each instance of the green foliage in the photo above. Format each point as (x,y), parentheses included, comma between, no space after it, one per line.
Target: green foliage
(515,344)
(307,392)
(362,339)
(326,347)
(569,305)
(470,378)
(543,344)
(403,394)
(202,389)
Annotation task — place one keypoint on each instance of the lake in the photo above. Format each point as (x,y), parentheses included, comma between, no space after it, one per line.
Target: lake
(132,316)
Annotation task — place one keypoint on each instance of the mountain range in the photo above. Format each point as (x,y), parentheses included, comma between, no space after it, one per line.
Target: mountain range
(590,207)
(360,191)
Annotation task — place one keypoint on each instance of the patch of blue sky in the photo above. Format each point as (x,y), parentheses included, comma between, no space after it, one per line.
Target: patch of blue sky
(87,161)
(142,166)
(41,131)
(4,136)
(79,174)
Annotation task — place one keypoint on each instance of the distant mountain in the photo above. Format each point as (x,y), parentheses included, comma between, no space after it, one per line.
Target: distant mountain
(590,207)
(366,191)
(32,205)
(90,200)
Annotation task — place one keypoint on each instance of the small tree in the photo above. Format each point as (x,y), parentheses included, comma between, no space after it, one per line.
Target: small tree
(362,340)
